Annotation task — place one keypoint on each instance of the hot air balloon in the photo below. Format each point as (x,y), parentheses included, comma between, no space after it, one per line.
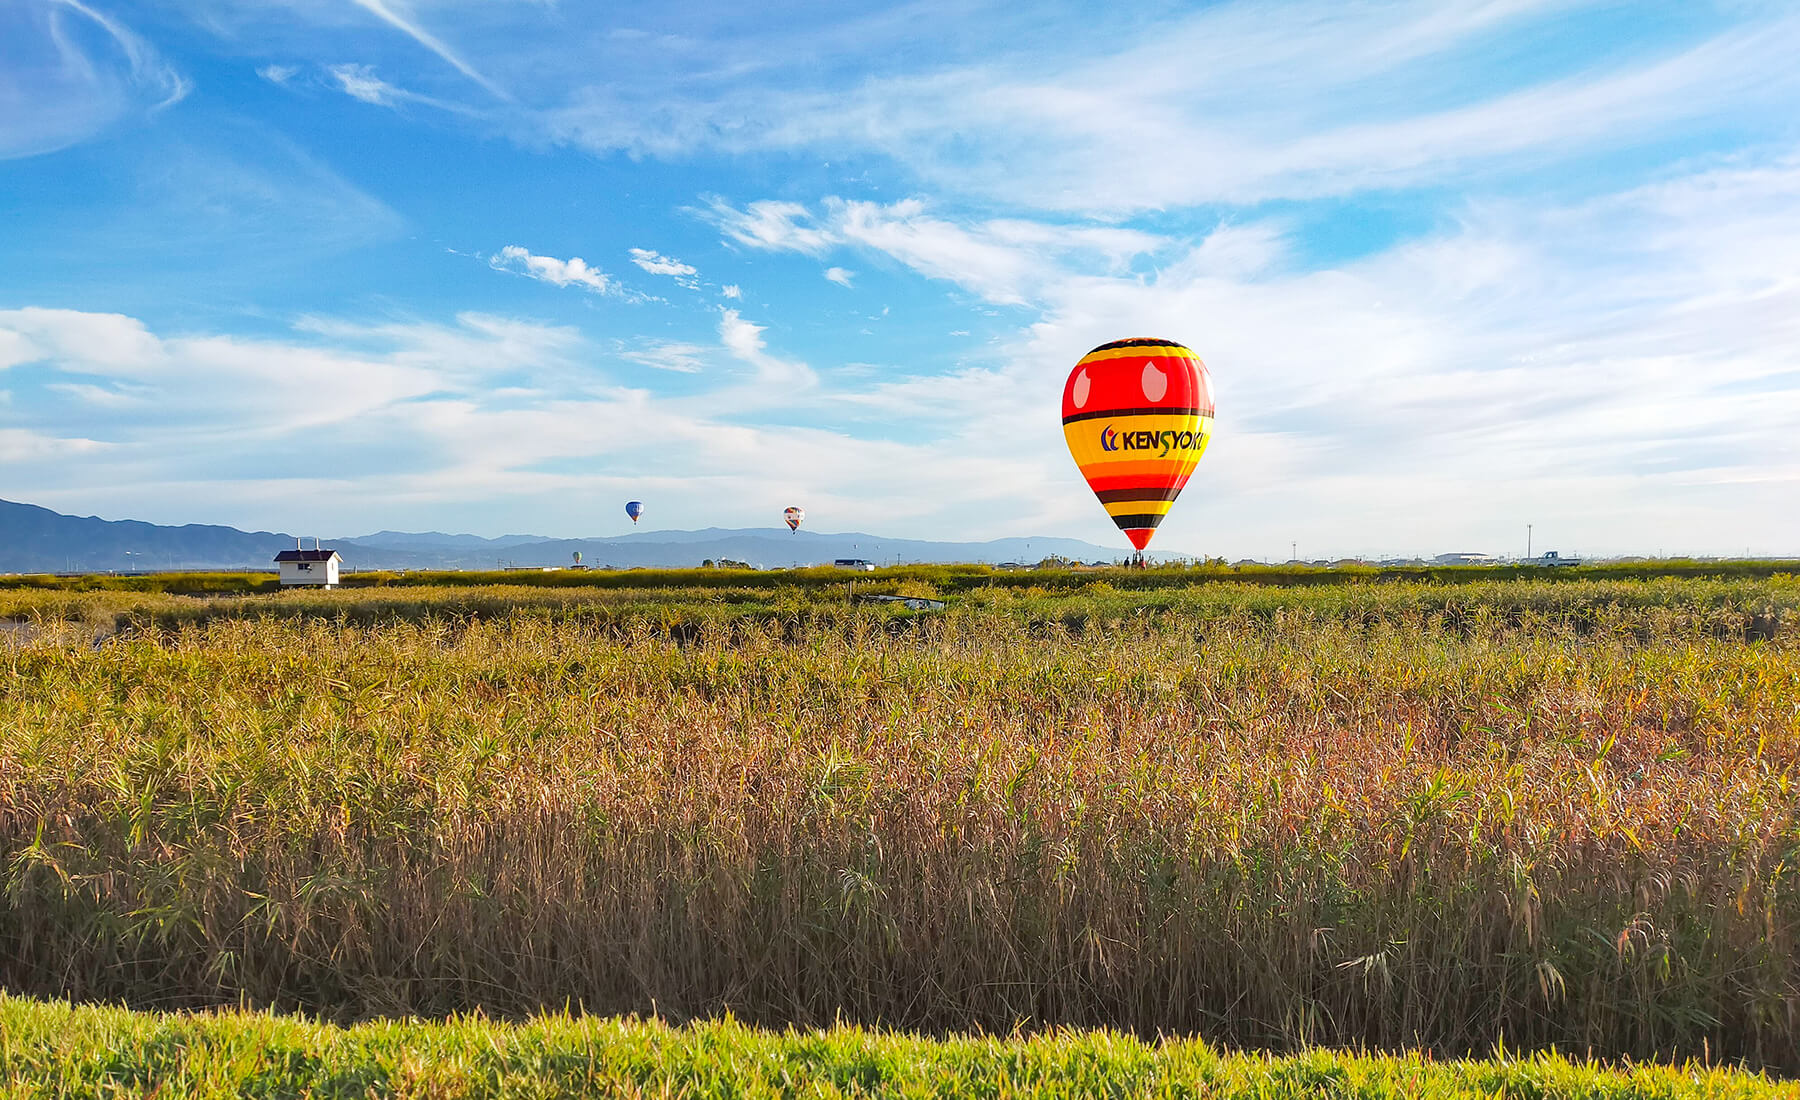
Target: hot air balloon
(634,509)
(1137,414)
(795,517)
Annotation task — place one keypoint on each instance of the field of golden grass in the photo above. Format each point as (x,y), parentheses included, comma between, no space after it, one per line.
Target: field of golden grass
(1406,815)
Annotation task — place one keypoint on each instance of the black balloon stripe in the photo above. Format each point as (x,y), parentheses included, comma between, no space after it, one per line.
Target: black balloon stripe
(1140,343)
(1129,523)
(1116,496)
(1171,410)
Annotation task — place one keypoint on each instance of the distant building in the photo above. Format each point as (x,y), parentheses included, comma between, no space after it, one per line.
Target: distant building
(1465,559)
(861,565)
(316,568)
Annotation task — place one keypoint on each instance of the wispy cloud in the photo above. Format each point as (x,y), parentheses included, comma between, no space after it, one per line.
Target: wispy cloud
(387,14)
(778,377)
(360,82)
(148,69)
(658,264)
(685,275)
(62,86)
(1003,260)
(1237,106)
(840,276)
(104,396)
(570,272)
(278,74)
(669,355)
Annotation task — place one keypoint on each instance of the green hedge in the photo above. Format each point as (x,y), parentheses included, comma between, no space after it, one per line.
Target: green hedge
(946,578)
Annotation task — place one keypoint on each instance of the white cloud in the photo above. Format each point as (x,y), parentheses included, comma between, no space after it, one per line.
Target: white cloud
(16,347)
(731,291)
(22,445)
(658,264)
(570,272)
(102,343)
(278,74)
(839,275)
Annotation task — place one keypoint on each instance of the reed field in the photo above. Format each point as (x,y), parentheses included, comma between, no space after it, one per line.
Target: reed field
(1404,815)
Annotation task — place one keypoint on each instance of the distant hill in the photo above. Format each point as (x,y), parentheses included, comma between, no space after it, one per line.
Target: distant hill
(38,540)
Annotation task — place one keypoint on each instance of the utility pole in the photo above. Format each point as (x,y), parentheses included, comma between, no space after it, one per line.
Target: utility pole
(1293,551)
(1528,542)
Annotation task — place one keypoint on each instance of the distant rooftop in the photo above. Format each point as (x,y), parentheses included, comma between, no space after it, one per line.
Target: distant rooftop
(306,555)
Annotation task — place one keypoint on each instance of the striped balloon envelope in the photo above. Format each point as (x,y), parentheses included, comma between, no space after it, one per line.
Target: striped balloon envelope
(1137,414)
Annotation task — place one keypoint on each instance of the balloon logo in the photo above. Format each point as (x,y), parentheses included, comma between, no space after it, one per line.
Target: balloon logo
(634,509)
(794,517)
(1137,415)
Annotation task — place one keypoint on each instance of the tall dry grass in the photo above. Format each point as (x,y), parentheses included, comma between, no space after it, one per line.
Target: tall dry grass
(1390,822)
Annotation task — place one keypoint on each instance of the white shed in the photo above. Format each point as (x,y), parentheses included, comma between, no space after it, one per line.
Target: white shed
(317,567)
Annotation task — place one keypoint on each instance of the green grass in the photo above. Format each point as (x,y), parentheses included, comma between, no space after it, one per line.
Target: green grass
(51,1049)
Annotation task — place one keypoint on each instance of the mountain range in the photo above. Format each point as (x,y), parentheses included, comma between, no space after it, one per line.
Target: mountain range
(38,540)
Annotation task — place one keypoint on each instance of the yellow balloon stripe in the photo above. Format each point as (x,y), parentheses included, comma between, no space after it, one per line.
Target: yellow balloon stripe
(1139,507)
(1147,351)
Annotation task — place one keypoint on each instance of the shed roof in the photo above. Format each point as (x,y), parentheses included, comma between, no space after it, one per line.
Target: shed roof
(307,555)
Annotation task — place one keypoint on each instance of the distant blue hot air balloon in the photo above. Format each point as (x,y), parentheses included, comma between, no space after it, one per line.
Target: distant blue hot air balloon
(634,509)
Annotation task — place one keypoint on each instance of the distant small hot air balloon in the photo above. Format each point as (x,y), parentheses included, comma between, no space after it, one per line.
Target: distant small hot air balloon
(795,517)
(1137,415)
(634,509)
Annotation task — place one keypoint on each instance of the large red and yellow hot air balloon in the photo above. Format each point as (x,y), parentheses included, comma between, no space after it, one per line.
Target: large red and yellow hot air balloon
(1137,414)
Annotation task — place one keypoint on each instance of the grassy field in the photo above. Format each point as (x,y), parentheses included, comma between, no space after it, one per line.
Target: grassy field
(54,1050)
(1393,815)
(943,578)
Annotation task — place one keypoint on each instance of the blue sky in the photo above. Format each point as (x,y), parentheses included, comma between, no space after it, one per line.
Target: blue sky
(499,265)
